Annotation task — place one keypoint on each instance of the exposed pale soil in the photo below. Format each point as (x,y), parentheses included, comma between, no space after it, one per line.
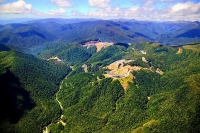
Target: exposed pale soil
(56,59)
(180,50)
(85,68)
(101,45)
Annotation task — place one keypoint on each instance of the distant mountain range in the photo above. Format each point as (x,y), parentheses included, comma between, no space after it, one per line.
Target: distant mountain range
(35,33)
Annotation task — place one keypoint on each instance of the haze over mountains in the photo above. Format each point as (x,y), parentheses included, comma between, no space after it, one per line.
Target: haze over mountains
(35,33)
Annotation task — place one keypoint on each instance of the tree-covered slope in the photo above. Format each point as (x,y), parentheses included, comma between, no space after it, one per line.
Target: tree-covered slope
(28,87)
(161,95)
(154,102)
(68,53)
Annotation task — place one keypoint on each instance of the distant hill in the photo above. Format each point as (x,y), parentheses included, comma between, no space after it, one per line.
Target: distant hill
(39,32)
(4,48)
(60,20)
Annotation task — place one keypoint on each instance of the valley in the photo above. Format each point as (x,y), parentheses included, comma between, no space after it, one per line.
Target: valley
(100,76)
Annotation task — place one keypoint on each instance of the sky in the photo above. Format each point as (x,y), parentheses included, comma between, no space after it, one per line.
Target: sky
(151,10)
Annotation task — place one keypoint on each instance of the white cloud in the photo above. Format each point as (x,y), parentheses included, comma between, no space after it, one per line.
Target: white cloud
(99,3)
(60,11)
(16,7)
(62,3)
(135,8)
(185,11)
(181,6)
(135,12)
(148,3)
(180,11)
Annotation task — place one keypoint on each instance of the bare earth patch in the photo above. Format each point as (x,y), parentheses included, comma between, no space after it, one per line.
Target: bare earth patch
(85,68)
(180,50)
(55,58)
(159,71)
(101,45)
(120,71)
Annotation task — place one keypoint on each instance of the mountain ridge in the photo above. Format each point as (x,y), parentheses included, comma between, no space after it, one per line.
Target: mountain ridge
(129,31)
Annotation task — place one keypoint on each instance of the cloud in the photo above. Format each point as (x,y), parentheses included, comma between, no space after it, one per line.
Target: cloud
(16,7)
(185,11)
(1,0)
(134,9)
(60,11)
(181,6)
(148,3)
(62,3)
(99,3)
(180,11)
(111,13)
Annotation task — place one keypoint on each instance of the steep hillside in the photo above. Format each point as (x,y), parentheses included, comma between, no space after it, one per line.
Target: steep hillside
(28,87)
(162,96)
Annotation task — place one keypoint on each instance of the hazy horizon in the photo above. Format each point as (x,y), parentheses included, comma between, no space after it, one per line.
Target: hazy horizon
(147,10)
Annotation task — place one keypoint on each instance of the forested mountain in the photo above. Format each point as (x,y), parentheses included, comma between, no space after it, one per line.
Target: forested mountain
(35,33)
(154,101)
(100,76)
(24,36)
(68,53)
(160,92)
(28,87)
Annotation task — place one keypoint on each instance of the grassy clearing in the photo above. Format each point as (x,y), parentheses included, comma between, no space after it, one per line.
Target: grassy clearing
(193,47)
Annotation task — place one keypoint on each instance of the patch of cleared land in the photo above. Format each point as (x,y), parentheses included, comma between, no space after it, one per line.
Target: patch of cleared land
(144,60)
(101,45)
(125,81)
(159,71)
(119,70)
(55,58)
(179,51)
(46,130)
(85,68)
